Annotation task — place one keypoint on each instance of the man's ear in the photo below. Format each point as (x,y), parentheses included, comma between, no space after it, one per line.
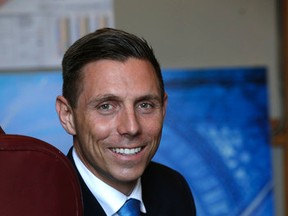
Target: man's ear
(65,115)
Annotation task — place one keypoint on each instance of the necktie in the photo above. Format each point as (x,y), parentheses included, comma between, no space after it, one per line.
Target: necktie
(130,208)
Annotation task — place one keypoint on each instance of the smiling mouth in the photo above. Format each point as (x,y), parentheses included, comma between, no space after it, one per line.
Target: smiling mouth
(126,151)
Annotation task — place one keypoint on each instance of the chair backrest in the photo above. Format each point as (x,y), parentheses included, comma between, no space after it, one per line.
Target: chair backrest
(1,131)
(36,179)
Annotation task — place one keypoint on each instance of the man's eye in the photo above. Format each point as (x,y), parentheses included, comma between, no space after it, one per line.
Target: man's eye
(105,107)
(146,105)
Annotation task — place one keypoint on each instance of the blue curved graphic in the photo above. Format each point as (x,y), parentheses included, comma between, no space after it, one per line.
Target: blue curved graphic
(217,134)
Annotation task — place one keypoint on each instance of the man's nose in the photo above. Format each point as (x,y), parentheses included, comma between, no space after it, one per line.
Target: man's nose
(128,122)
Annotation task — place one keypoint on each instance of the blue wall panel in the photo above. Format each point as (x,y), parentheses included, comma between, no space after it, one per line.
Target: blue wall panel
(216,131)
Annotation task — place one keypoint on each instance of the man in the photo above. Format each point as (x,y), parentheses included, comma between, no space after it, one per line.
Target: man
(114,105)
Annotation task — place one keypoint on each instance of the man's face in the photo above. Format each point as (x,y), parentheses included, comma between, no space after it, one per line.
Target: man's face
(118,120)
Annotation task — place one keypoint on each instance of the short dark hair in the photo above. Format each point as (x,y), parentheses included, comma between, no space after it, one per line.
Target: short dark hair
(105,43)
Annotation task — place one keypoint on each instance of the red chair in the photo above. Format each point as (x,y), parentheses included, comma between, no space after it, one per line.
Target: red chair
(1,131)
(36,179)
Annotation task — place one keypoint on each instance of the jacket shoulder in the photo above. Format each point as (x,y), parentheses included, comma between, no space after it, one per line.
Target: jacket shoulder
(167,191)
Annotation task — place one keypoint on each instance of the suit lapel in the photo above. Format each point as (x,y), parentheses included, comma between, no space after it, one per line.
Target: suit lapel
(91,205)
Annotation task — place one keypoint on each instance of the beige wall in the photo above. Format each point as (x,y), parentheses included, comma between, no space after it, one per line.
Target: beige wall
(203,33)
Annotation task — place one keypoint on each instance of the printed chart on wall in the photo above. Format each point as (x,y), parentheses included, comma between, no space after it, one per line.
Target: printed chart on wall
(36,33)
(216,132)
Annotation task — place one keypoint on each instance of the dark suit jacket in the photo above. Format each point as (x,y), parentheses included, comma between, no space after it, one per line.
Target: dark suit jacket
(164,191)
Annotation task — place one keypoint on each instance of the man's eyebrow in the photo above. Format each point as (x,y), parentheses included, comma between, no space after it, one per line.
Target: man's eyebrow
(149,97)
(102,98)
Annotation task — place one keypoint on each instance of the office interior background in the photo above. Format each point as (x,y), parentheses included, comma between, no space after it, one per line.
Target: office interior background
(202,34)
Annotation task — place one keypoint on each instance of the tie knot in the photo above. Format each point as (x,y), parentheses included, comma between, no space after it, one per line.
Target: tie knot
(130,208)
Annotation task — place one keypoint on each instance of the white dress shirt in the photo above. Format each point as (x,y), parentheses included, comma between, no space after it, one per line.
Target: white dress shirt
(109,198)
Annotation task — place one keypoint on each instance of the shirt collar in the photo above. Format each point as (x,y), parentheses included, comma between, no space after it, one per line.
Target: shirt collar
(109,198)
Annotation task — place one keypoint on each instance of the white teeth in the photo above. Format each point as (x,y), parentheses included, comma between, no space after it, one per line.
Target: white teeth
(126,151)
